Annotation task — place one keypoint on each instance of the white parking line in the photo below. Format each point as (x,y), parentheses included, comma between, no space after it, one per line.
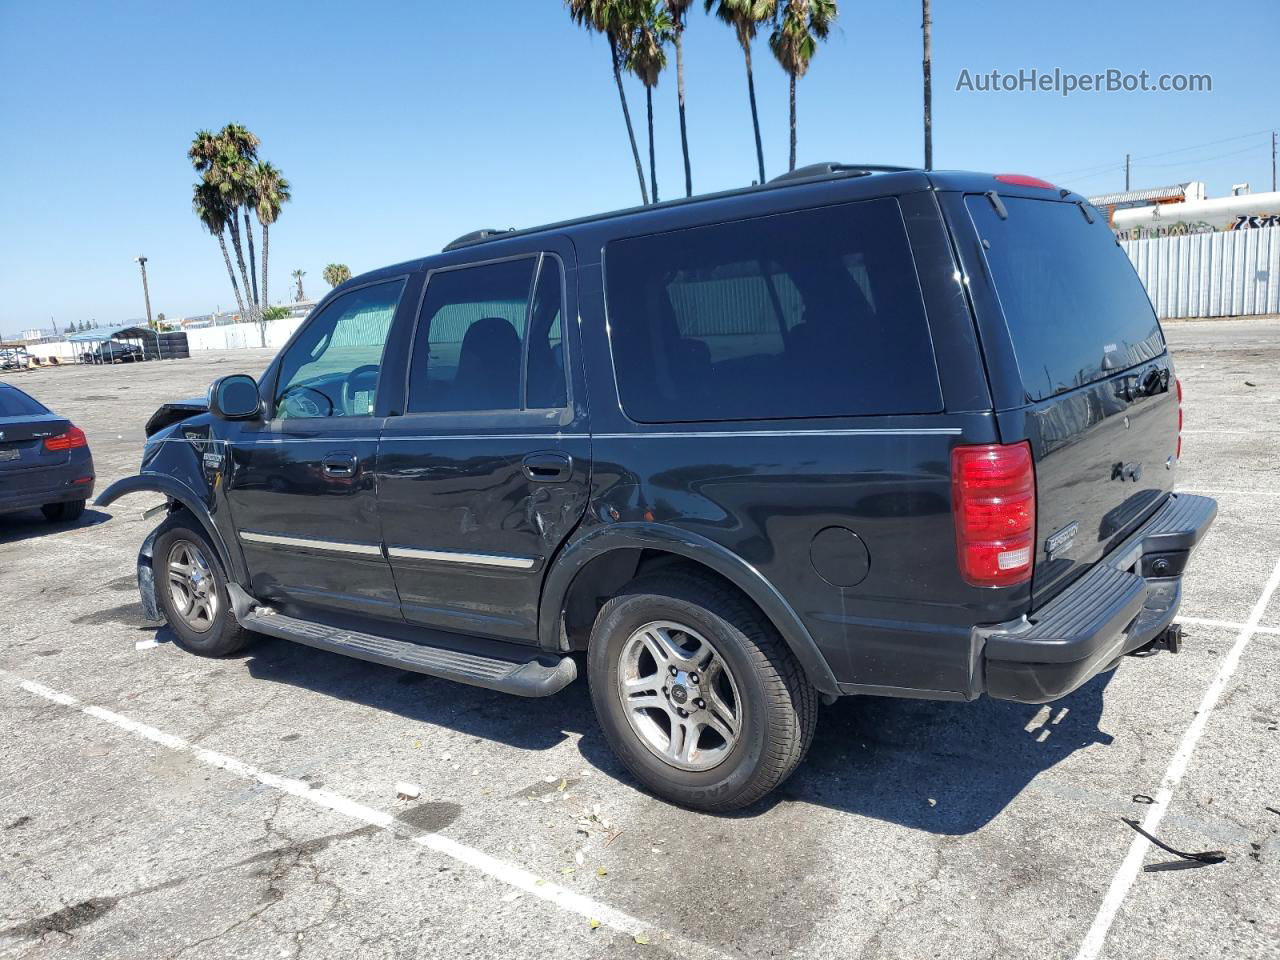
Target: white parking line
(510,874)
(1230,492)
(1124,878)
(1225,624)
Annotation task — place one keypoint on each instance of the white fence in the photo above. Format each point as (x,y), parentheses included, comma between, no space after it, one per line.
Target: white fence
(1231,274)
(242,335)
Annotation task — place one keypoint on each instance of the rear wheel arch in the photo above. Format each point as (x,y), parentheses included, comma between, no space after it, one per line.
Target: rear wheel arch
(597,567)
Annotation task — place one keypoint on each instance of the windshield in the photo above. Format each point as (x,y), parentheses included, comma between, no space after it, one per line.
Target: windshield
(1075,308)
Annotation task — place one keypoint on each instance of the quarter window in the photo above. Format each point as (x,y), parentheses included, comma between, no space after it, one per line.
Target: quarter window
(816,313)
(332,369)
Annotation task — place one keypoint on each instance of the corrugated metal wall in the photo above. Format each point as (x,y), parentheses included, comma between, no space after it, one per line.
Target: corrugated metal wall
(1230,274)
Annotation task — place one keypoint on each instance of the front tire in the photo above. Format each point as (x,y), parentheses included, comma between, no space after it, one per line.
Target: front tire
(192,591)
(696,692)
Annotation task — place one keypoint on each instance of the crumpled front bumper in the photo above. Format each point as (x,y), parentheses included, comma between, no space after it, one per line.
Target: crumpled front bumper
(1128,599)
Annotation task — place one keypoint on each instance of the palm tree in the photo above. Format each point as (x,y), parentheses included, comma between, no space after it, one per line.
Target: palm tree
(676,10)
(647,58)
(616,20)
(297,278)
(926,29)
(794,41)
(209,206)
(271,190)
(745,16)
(336,274)
(220,158)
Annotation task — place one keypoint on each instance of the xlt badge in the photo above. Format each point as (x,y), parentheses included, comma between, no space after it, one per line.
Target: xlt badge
(1061,541)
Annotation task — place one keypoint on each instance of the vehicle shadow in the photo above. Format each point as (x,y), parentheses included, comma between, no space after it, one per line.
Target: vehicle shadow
(25,524)
(941,767)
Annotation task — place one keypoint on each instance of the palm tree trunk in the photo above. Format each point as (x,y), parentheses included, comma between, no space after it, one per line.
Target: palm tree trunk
(926,28)
(793,122)
(626,115)
(253,267)
(755,116)
(244,276)
(265,302)
(222,242)
(653,163)
(684,133)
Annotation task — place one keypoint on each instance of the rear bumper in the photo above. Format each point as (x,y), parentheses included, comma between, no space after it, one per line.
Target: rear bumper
(1128,599)
(27,489)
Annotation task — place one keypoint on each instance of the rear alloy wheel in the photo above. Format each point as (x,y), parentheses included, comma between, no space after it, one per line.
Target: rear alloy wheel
(696,692)
(679,695)
(191,590)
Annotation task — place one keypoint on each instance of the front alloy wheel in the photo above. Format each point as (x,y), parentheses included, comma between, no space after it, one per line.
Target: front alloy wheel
(192,586)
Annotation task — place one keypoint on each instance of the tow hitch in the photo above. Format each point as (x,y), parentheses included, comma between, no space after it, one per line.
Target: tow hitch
(1170,638)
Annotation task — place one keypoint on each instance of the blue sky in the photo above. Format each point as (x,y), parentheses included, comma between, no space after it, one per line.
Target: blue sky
(403,125)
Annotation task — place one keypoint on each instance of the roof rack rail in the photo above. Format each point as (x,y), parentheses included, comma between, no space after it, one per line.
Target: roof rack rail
(829,168)
(475,236)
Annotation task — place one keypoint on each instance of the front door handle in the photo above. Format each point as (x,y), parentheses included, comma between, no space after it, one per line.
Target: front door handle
(548,467)
(339,465)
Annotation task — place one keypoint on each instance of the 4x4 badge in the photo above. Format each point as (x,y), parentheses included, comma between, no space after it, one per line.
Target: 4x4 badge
(1062,540)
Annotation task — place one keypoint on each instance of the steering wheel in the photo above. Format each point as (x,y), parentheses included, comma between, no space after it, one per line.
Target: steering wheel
(351,386)
(296,404)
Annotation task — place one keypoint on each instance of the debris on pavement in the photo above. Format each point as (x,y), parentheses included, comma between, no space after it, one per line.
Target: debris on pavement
(1189,860)
(408,791)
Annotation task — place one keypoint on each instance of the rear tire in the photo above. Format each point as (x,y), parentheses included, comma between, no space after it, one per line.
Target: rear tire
(725,718)
(63,512)
(191,589)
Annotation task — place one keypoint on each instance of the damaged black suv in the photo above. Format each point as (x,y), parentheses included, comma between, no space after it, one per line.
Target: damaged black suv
(861,430)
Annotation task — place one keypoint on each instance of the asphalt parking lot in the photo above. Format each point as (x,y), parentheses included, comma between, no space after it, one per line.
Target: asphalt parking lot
(155,804)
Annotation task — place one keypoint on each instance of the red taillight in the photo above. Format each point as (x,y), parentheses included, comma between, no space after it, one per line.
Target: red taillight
(993,494)
(1177,453)
(67,441)
(1022,180)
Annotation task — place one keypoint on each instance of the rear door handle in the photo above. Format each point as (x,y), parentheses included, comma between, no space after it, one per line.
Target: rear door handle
(339,465)
(548,467)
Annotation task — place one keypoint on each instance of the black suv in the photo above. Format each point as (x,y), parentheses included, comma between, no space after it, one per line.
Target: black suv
(858,431)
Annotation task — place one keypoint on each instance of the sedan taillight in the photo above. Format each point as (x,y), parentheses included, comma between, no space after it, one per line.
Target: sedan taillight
(70,440)
(993,492)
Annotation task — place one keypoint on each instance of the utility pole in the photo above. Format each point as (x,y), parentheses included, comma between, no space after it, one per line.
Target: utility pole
(146,294)
(1273,161)
(1126,173)
(926,28)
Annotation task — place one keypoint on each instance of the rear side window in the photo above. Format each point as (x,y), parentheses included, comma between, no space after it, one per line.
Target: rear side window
(15,403)
(1075,308)
(816,313)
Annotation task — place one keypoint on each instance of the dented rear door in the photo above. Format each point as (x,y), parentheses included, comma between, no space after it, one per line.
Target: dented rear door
(485,472)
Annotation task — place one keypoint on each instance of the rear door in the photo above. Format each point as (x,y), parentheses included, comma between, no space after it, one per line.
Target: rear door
(1097,398)
(485,474)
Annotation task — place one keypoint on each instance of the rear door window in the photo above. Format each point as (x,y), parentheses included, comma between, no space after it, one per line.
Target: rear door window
(489,337)
(1075,308)
(816,313)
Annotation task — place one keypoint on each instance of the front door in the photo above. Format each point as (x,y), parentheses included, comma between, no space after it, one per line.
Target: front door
(302,481)
(485,474)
